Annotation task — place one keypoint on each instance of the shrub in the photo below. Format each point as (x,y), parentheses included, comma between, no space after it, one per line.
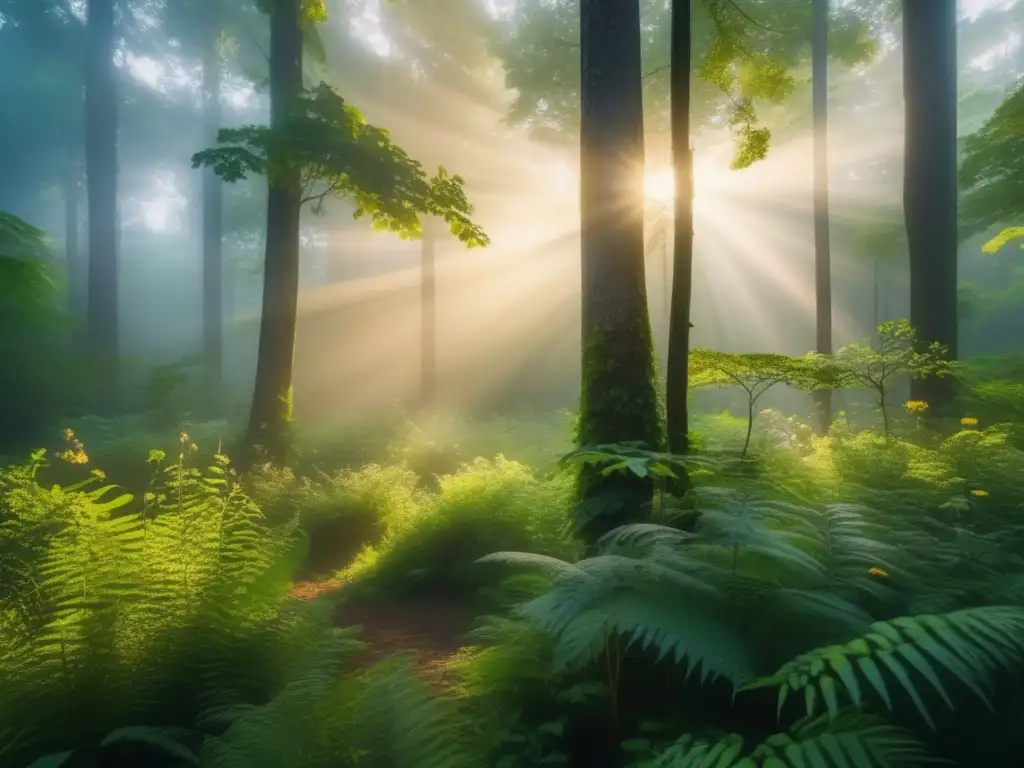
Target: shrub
(486,505)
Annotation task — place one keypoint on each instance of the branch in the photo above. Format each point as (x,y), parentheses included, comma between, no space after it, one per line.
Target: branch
(655,71)
(751,20)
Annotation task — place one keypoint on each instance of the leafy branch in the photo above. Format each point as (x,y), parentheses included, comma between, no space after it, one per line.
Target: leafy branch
(339,155)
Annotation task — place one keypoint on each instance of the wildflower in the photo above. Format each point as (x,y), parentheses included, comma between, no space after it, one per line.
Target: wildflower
(878,572)
(75,453)
(184,437)
(968,421)
(916,406)
(979,493)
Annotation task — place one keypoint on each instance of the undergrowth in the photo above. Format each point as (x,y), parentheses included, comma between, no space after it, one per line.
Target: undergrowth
(851,599)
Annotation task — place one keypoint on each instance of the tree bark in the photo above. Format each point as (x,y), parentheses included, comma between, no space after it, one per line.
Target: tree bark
(213,224)
(618,400)
(929,181)
(677,380)
(428,320)
(270,415)
(101,122)
(822,243)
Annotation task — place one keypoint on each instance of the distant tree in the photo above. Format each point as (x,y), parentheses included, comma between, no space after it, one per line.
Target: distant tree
(618,401)
(319,148)
(101,120)
(822,239)
(213,213)
(677,385)
(428,317)
(930,182)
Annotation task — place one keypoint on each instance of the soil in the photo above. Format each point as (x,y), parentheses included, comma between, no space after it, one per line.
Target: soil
(432,628)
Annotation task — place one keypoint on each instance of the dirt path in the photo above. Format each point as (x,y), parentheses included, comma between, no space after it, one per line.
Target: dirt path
(432,628)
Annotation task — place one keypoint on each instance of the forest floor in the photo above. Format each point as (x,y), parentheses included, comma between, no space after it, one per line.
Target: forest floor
(432,629)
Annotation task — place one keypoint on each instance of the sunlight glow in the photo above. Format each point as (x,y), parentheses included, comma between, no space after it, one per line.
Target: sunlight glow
(660,185)
(369,28)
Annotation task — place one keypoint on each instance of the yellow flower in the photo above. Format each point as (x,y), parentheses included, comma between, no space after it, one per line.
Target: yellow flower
(968,421)
(916,406)
(877,572)
(979,493)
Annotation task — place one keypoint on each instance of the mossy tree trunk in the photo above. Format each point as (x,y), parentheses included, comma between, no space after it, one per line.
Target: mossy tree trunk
(929,181)
(677,380)
(270,415)
(618,401)
(822,239)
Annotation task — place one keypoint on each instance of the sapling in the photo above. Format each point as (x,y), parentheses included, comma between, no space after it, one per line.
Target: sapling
(754,373)
(897,356)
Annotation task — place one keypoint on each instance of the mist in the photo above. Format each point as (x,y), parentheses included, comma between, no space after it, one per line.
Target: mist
(508,315)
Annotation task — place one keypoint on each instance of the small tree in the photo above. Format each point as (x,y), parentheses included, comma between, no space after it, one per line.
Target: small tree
(754,373)
(896,357)
(318,147)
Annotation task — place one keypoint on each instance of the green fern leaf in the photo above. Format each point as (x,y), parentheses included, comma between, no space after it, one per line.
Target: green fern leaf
(966,645)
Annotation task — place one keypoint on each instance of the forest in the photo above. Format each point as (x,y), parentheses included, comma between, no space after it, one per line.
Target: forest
(511,383)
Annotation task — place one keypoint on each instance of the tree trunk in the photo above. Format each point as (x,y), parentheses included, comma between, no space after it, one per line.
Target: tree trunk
(270,415)
(73,257)
(428,320)
(822,243)
(677,380)
(101,181)
(213,225)
(618,400)
(929,181)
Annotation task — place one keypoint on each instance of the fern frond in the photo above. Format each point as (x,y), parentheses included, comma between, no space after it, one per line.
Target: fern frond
(692,633)
(851,739)
(273,736)
(969,645)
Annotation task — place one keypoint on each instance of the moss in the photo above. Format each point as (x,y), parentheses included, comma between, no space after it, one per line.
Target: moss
(619,403)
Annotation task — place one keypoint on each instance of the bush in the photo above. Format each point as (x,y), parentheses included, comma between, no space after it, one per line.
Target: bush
(486,505)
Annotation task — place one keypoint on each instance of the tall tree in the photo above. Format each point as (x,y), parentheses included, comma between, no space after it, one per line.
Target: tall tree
(270,414)
(677,381)
(930,180)
(101,120)
(428,318)
(618,401)
(213,213)
(317,147)
(822,242)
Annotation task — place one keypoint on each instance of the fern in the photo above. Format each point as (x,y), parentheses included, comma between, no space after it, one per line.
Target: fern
(968,645)
(851,740)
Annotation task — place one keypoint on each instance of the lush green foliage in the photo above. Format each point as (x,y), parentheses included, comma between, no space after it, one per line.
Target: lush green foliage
(992,168)
(340,155)
(743,56)
(32,331)
(876,579)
